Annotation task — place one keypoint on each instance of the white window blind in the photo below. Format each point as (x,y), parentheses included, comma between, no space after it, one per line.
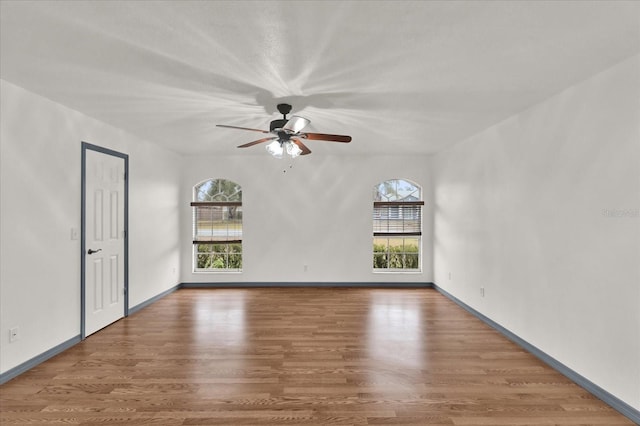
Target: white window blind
(397,218)
(217,222)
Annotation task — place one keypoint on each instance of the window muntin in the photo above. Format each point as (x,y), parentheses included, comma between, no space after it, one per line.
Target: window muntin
(217,226)
(397,226)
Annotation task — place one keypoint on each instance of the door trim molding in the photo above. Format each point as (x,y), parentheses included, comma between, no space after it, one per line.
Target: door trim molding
(85,147)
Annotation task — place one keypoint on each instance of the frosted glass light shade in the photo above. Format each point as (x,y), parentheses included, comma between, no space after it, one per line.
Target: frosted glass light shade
(275,149)
(293,150)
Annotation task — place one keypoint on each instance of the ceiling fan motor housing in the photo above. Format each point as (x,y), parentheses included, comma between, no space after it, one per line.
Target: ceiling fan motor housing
(284,109)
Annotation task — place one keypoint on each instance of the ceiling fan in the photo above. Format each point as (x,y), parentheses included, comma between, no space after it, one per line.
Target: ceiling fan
(286,135)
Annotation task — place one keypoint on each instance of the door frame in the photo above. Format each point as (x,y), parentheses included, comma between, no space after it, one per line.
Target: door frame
(83,248)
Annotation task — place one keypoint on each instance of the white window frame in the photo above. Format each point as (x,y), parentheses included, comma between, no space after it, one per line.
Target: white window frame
(231,236)
(404,227)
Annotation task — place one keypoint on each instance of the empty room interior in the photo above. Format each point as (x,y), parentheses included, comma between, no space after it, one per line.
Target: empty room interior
(318,212)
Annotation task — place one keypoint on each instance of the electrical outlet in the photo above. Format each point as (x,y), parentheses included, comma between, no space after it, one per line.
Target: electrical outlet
(14,334)
(449,276)
(481,291)
(306,268)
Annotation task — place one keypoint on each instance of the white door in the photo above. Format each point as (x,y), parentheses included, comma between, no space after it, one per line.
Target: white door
(104,240)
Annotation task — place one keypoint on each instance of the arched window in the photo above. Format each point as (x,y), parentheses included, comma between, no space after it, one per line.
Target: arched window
(397,225)
(217,226)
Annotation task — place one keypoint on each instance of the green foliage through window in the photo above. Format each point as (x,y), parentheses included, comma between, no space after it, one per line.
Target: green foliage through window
(396,253)
(218,256)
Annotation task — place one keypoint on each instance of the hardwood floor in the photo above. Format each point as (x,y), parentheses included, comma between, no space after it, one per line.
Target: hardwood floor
(299,357)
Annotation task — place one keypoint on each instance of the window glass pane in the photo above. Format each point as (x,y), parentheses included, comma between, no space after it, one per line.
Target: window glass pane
(204,248)
(396,190)
(380,244)
(202,261)
(380,248)
(411,245)
(235,261)
(396,245)
(412,261)
(379,261)
(218,261)
(218,190)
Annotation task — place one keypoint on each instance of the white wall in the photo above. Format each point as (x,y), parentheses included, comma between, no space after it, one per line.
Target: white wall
(318,213)
(40,148)
(520,210)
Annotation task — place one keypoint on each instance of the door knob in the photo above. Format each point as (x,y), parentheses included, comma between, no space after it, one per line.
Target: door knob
(93,251)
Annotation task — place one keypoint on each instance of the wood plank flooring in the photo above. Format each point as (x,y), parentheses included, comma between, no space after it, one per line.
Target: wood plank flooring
(299,357)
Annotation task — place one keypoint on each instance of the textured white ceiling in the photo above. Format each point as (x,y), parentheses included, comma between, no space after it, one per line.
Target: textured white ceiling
(399,77)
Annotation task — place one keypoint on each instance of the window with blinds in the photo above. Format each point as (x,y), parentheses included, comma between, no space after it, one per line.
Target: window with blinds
(397,226)
(217,226)
(397,218)
(215,222)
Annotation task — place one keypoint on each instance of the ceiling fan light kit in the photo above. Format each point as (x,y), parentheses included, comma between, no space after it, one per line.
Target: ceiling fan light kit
(287,134)
(278,148)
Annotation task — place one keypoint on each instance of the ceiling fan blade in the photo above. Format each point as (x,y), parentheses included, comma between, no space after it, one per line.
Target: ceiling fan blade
(326,137)
(242,128)
(295,124)
(248,144)
(302,146)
